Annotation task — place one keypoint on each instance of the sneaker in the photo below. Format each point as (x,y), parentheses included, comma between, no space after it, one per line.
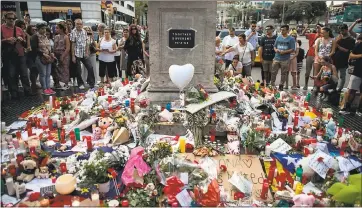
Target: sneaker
(70,84)
(82,87)
(294,88)
(305,87)
(52,92)
(46,92)
(281,87)
(323,96)
(359,112)
(75,83)
(344,111)
(4,88)
(298,86)
(286,87)
(315,88)
(326,98)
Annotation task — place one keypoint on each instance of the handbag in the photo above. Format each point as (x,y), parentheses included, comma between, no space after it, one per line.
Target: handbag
(44,60)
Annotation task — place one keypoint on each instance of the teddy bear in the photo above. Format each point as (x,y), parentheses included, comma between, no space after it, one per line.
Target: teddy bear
(97,133)
(303,200)
(331,129)
(29,170)
(232,128)
(43,172)
(104,123)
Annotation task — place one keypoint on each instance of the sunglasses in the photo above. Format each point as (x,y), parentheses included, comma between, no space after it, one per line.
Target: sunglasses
(134,28)
(10,18)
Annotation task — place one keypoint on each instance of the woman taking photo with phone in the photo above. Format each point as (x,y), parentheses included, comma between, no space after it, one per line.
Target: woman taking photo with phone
(107,48)
(324,46)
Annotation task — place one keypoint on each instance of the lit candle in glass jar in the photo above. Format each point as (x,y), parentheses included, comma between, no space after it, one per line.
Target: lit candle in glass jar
(75,201)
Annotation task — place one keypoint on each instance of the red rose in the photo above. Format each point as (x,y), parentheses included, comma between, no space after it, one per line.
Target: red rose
(223,168)
(238,195)
(189,147)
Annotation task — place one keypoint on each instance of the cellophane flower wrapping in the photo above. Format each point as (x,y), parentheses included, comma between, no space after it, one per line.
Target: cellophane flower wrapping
(135,162)
(173,186)
(211,198)
(173,166)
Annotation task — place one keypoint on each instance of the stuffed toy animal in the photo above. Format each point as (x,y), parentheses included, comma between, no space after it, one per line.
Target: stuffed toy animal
(29,169)
(303,200)
(232,127)
(43,172)
(331,129)
(97,133)
(104,123)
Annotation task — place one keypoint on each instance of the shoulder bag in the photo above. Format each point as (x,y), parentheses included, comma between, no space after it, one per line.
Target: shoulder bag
(44,60)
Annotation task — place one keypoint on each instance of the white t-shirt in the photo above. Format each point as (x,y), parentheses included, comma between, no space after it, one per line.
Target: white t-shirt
(230,41)
(238,66)
(105,56)
(245,58)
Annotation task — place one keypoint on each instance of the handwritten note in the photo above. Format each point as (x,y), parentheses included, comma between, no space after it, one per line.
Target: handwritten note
(280,146)
(311,188)
(346,164)
(320,167)
(184,177)
(304,120)
(248,166)
(241,183)
(184,198)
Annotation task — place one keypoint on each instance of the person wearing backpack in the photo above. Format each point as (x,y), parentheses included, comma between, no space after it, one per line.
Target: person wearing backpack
(13,41)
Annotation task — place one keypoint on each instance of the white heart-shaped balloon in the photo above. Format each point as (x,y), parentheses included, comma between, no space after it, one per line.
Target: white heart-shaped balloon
(181,76)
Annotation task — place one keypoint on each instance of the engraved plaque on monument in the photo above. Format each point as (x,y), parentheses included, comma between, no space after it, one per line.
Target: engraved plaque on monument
(181,38)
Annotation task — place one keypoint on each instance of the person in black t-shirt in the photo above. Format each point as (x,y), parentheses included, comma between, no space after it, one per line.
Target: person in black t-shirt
(355,81)
(300,57)
(345,43)
(267,53)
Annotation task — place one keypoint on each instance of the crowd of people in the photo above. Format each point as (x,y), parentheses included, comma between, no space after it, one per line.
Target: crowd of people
(329,57)
(69,55)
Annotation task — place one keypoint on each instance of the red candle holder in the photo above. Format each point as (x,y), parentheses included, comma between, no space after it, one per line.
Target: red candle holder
(290,131)
(110,99)
(29,130)
(73,140)
(271,174)
(301,113)
(32,150)
(103,113)
(296,120)
(125,203)
(50,124)
(264,190)
(305,104)
(18,135)
(89,142)
(19,158)
(62,136)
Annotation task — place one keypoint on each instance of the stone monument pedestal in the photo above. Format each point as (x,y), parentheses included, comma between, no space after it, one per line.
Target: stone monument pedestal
(180,33)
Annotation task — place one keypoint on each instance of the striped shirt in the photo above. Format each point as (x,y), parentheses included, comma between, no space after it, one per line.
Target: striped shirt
(79,38)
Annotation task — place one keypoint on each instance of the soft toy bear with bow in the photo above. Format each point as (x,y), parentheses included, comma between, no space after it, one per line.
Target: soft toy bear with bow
(232,128)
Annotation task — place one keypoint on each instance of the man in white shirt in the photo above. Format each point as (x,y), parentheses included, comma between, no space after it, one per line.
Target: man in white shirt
(228,42)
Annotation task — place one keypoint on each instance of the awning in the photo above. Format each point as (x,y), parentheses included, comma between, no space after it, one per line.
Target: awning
(60,9)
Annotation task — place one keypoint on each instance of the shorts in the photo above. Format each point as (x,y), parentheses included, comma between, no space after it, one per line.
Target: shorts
(299,66)
(110,67)
(246,70)
(355,83)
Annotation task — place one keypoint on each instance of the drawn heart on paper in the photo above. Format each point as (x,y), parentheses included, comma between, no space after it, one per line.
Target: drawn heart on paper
(247,162)
(181,76)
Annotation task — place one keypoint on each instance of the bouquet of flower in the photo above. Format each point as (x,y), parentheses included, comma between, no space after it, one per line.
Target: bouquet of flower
(158,151)
(118,157)
(196,94)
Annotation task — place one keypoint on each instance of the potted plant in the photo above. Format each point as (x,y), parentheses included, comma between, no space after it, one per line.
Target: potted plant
(94,172)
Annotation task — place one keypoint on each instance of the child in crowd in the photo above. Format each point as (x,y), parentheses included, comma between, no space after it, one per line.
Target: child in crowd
(328,77)
(300,58)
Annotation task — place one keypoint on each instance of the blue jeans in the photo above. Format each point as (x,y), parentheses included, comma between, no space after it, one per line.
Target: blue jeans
(342,77)
(44,73)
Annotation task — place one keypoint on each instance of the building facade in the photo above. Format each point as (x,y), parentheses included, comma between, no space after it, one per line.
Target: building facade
(86,10)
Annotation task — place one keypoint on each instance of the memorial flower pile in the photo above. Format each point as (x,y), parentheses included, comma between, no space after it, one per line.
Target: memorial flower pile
(256,146)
